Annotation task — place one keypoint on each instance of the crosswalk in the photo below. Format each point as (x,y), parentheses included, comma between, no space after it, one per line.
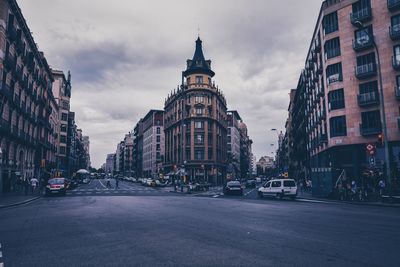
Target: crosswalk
(114,191)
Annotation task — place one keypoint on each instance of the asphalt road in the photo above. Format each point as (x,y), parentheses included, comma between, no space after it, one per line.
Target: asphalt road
(135,228)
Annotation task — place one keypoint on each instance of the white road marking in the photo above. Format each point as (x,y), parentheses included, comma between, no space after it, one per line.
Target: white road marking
(250,191)
(312,200)
(102,184)
(1,254)
(1,264)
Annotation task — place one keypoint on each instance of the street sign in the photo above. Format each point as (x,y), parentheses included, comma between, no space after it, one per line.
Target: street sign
(371,149)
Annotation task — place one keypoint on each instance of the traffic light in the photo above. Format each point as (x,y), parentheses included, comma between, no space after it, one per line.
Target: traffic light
(380,140)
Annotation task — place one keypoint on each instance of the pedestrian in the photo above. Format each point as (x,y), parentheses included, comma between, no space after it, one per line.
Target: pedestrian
(381,186)
(34,184)
(108,184)
(116,183)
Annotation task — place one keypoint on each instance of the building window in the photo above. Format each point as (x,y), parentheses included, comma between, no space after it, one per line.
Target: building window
(65,104)
(199,99)
(158,147)
(336,99)
(360,7)
(199,139)
(64,116)
(199,154)
(332,48)
(158,130)
(209,80)
(371,119)
(365,60)
(62,150)
(188,80)
(362,36)
(395,20)
(199,111)
(63,128)
(199,124)
(338,126)
(334,73)
(158,138)
(396,53)
(370,87)
(330,23)
(199,79)
(63,139)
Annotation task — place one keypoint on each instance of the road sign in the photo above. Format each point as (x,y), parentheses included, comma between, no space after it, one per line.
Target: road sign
(371,149)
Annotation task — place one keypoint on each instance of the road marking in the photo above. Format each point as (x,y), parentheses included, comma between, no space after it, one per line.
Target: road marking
(1,254)
(250,191)
(102,184)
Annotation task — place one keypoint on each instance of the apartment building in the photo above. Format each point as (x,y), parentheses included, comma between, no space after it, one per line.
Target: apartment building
(354,52)
(196,124)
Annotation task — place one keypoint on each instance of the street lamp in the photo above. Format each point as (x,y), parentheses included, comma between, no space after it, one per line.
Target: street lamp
(360,26)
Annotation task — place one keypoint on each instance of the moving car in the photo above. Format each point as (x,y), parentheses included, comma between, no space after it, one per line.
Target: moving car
(250,184)
(56,186)
(233,187)
(279,188)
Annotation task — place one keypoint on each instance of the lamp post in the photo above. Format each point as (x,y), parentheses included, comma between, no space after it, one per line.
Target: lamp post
(360,26)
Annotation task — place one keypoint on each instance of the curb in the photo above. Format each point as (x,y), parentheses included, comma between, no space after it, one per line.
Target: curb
(19,203)
(353,203)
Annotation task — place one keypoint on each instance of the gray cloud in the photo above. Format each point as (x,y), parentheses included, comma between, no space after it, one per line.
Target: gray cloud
(126,57)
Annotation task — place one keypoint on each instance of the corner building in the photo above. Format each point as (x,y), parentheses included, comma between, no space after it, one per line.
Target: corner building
(196,125)
(341,86)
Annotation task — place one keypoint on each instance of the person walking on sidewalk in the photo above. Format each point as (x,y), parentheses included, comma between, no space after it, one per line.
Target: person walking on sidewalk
(381,186)
(34,184)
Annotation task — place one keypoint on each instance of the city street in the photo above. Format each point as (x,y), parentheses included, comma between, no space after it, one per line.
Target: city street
(140,226)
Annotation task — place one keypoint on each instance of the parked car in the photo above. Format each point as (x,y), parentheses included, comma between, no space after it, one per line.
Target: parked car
(279,188)
(233,187)
(258,179)
(250,183)
(56,186)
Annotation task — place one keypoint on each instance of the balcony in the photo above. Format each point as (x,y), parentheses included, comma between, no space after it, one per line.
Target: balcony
(334,78)
(394,32)
(9,62)
(370,130)
(393,4)
(365,71)
(368,99)
(396,62)
(362,15)
(397,92)
(363,43)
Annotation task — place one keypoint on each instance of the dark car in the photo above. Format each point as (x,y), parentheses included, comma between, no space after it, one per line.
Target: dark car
(251,184)
(56,186)
(233,187)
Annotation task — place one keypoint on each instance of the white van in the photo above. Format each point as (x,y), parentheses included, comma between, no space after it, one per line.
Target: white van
(279,188)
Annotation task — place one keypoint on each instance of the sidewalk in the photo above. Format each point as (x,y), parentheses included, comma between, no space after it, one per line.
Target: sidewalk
(17,198)
(308,196)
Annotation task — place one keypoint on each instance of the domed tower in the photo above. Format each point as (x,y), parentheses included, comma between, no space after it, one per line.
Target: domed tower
(196,125)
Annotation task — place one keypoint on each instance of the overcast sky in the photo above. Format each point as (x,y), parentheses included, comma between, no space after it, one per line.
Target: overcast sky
(125,56)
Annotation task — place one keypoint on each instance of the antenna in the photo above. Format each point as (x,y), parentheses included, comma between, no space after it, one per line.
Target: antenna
(198,30)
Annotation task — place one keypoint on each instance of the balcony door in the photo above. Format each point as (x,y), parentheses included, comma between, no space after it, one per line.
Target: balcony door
(396,53)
